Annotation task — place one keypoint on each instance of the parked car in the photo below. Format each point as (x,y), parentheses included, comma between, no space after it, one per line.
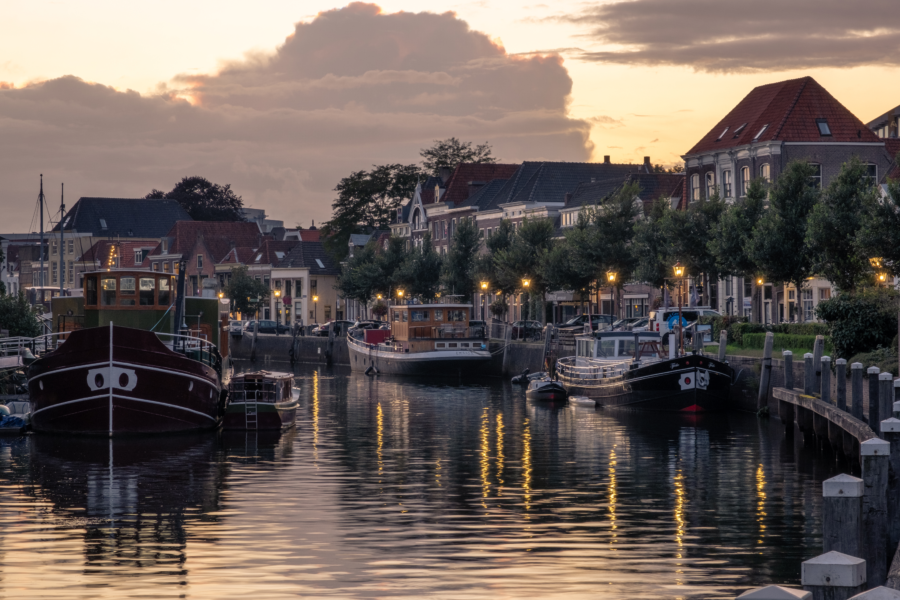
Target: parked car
(598,322)
(236,328)
(664,321)
(266,326)
(527,330)
(478,329)
(323,329)
(623,324)
(367,325)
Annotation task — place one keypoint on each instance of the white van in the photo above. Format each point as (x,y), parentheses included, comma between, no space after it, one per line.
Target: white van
(664,321)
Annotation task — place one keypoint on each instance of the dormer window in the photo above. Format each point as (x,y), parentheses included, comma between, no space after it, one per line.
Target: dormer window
(824,129)
(103,224)
(761,131)
(738,131)
(721,135)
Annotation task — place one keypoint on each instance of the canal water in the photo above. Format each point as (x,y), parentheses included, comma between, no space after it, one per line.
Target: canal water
(409,489)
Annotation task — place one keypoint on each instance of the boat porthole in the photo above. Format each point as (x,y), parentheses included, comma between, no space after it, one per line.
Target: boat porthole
(98,381)
(41,384)
(191,386)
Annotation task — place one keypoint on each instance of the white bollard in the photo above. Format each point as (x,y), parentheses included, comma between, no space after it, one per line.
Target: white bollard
(775,592)
(833,575)
(879,593)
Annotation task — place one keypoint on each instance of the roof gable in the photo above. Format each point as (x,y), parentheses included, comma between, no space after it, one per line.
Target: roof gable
(458,188)
(312,256)
(124,217)
(219,237)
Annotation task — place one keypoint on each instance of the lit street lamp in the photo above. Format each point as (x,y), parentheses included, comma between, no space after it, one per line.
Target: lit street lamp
(611,278)
(679,275)
(315,310)
(484,287)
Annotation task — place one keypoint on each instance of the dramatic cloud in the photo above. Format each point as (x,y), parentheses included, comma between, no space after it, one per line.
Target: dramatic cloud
(716,36)
(351,88)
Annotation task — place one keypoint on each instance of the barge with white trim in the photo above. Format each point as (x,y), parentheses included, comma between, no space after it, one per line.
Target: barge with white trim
(424,339)
(108,370)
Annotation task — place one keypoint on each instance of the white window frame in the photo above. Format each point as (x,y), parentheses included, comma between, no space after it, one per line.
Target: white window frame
(726,183)
(817,178)
(695,187)
(765,171)
(710,184)
(745,180)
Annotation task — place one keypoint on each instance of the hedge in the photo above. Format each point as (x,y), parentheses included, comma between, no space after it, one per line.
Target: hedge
(721,322)
(737,331)
(785,340)
(802,328)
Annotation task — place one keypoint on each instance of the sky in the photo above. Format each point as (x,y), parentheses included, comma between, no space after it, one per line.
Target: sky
(282,98)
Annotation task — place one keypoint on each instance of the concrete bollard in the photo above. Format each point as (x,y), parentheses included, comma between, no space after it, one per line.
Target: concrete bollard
(808,373)
(896,393)
(840,372)
(825,368)
(890,431)
(856,388)
(874,416)
(875,457)
(842,497)
(833,576)
(896,413)
(885,396)
(788,357)
(723,342)
(775,592)
(879,593)
(818,351)
(765,373)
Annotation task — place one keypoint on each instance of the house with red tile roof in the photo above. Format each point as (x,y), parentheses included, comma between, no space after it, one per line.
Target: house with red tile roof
(114,254)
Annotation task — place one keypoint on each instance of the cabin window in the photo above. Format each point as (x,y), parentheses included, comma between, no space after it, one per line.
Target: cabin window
(451,345)
(126,291)
(607,348)
(440,345)
(165,291)
(458,316)
(108,291)
(148,286)
(419,315)
(90,291)
(438,315)
(403,316)
(396,316)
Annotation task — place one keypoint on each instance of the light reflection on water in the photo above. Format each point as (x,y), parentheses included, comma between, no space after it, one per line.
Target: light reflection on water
(413,489)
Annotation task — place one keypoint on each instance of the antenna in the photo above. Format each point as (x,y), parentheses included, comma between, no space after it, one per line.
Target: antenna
(62,233)
(41,201)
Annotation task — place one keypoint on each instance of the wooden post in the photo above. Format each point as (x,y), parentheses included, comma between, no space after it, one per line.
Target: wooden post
(896,393)
(507,340)
(875,456)
(856,387)
(890,432)
(825,369)
(840,367)
(885,396)
(548,333)
(329,349)
(818,351)
(698,342)
(842,514)
(788,357)
(833,576)
(896,413)
(765,372)
(723,343)
(808,373)
(879,593)
(775,592)
(874,414)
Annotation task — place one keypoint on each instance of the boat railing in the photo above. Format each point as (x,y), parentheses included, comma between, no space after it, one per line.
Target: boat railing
(195,347)
(47,343)
(589,370)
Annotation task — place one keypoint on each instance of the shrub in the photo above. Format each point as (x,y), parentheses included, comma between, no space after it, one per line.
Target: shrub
(860,321)
(784,340)
(498,308)
(17,315)
(802,328)
(737,331)
(883,358)
(721,322)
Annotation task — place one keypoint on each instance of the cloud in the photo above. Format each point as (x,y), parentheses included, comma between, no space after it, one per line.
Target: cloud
(767,35)
(351,88)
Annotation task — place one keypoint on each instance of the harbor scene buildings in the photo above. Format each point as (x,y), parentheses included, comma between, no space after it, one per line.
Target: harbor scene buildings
(479,300)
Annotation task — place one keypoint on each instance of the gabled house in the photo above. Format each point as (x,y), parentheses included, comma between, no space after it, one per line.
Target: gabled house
(306,277)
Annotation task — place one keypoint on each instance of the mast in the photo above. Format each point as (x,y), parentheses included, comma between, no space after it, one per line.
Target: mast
(41,201)
(62,233)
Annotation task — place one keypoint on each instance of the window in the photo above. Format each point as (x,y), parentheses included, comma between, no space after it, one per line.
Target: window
(165,291)
(444,228)
(695,187)
(721,135)
(726,183)
(147,287)
(745,180)
(419,315)
(872,174)
(761,131)
(108,291)
(738,131)
(90,291)
(327,312)
(154,266)
(313,287)
(126,291)
(792,294)
(490,232)
(481,233)
(824,129)
(764,172)
(710,184)
(396,316)
(452,227)
(138,257)
(52,272)
(199,261)
(71,249)
(808,314)
(816,176)
(103,224)
(298,288)
(456,316)
(824,294)
(71,270)
(728,286)
(404,316)
(166,267)
(438,315)
(53,248)
(266,282)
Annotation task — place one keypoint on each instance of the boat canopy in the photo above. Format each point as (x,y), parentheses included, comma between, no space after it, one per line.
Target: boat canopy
(618,345)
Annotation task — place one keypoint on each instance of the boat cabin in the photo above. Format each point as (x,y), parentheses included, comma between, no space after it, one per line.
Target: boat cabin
(423,327)
(619,345)
(269,387)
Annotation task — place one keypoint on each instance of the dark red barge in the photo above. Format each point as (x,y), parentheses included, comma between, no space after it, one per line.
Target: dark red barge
(107,370)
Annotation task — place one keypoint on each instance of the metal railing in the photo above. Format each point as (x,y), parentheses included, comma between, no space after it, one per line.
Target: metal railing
(590,371)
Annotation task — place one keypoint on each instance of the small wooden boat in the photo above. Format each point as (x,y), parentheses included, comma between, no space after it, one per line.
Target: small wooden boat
(546,389)
(261,400)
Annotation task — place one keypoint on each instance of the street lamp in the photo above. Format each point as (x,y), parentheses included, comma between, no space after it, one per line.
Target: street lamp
(316,309)
(277,310)
(760,282)
(484,287)
(679,275)
(611,278)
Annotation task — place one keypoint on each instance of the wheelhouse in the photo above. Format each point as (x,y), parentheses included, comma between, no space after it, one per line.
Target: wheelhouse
(618,345)
(262,386)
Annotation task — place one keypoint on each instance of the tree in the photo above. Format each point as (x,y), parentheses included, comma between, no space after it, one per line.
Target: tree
(18,316)
(451,152)
(879,233)
(778,245)
(834,224)
(689,233)
(730,243)
(652,250)
(203,200)
(421,271)
(522,258)
(241,287)
(388,265)
(459,266)
(359,279)
(367,200)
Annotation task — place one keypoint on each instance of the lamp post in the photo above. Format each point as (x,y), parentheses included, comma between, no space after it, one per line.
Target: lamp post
(760,282)
(484,287)
(315,310)
(277,310)
(881,276)
(679,275)
(526,283)
(611,278)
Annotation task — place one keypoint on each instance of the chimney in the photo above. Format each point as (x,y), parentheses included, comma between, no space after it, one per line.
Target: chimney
(606,159)
(648,168)
(445,173)
(568,198)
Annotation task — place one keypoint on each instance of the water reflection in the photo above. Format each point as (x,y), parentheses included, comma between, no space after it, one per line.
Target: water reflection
(394,488)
